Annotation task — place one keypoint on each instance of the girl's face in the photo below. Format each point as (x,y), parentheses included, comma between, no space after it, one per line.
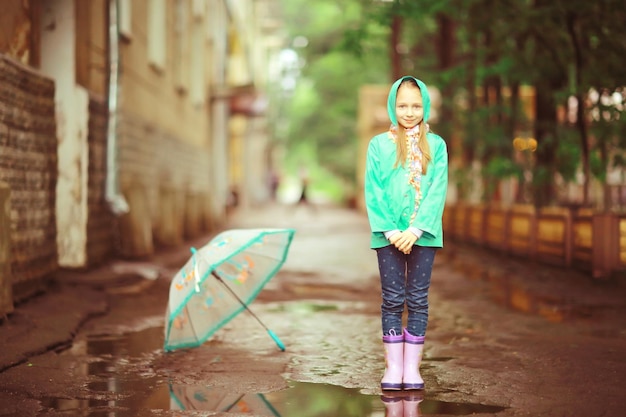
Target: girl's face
(409,109)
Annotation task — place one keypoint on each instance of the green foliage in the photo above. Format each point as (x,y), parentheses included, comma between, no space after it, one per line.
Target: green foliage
(463,179)
(568,156)
(323,109)
(563,47)
(598,169)
(500,167)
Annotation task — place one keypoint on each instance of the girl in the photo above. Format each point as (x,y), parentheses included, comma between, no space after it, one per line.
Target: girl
(406,181)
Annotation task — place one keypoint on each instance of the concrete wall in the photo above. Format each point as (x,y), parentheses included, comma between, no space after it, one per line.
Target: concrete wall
(58,61)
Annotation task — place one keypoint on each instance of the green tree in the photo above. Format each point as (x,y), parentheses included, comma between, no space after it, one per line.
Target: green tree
(563,49)
(480,54)
(323,110)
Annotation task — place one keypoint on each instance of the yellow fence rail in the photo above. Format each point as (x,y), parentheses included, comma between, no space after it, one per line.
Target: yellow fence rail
(578,238)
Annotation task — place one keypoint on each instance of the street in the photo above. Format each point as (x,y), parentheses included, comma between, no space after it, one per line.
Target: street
(505,338)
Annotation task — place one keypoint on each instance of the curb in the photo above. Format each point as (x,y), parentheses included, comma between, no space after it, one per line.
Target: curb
(47,322)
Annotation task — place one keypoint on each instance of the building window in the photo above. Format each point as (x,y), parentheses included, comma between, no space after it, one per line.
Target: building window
(181,46)
(198,60)
(125,18)
(198,8)
(157,34)
(91,45)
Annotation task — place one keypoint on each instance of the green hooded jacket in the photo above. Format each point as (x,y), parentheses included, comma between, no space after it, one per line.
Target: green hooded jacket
(389,197)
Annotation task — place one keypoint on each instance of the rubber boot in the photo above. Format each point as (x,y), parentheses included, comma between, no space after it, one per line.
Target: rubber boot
(413,349)
(411,404)
(394,406)
(394,353)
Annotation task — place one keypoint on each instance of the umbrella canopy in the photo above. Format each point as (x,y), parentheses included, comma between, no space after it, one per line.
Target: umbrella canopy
(220,280)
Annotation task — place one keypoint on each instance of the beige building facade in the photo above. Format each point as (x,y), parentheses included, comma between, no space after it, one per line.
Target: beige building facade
(116,123)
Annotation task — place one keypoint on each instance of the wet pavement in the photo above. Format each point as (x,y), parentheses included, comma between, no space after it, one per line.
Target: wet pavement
(505,338)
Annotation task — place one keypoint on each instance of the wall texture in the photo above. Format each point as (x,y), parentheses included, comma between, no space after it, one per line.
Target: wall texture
(167,183)
(28,164)
(100,220)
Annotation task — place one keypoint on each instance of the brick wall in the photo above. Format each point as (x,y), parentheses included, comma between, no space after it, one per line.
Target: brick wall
(100,220)
(167,180)
(28,163)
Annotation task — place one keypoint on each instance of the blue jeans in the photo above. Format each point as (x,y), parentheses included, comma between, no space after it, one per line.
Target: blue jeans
(405,279)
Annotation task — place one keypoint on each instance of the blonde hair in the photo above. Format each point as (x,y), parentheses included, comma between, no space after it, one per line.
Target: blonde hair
(422,143)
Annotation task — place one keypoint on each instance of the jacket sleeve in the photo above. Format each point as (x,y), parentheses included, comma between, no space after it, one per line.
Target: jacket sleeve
(430,213)
(378,211)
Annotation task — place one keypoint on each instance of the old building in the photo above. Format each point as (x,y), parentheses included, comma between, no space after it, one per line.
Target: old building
(115,126)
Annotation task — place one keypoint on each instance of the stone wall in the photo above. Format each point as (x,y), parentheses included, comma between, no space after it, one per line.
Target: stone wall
(28,164)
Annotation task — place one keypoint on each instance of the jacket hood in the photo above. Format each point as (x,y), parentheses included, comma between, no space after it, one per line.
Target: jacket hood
(391,99)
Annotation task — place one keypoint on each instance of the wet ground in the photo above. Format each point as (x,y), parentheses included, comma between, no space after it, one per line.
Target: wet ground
(505,338)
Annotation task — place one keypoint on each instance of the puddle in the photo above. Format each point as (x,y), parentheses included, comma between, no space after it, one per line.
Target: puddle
(121,384)
(503,288)
(507,293)
(539,297)
(319,400)
(306,307)
(129,344)
(444,408)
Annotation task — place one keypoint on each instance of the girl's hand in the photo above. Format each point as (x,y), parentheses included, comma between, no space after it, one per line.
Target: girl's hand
(404,241)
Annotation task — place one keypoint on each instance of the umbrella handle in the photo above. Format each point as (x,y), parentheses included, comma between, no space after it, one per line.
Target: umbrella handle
(196,271)
(280,344)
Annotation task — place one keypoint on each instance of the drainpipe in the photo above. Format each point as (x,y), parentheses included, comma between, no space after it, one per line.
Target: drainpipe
(116,201)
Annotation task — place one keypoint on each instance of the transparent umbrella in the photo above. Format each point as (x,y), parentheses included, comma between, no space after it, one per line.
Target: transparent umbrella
(219,281)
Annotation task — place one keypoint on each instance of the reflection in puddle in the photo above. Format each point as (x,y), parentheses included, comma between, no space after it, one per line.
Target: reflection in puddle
(506,291)
(129,344)
(444,408)
(408,404)
(312,400)
(317,400)
(306,307)
(207,399)
(117,387)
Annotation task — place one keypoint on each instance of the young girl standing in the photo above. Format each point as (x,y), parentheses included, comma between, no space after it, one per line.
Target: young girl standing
(406,181)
